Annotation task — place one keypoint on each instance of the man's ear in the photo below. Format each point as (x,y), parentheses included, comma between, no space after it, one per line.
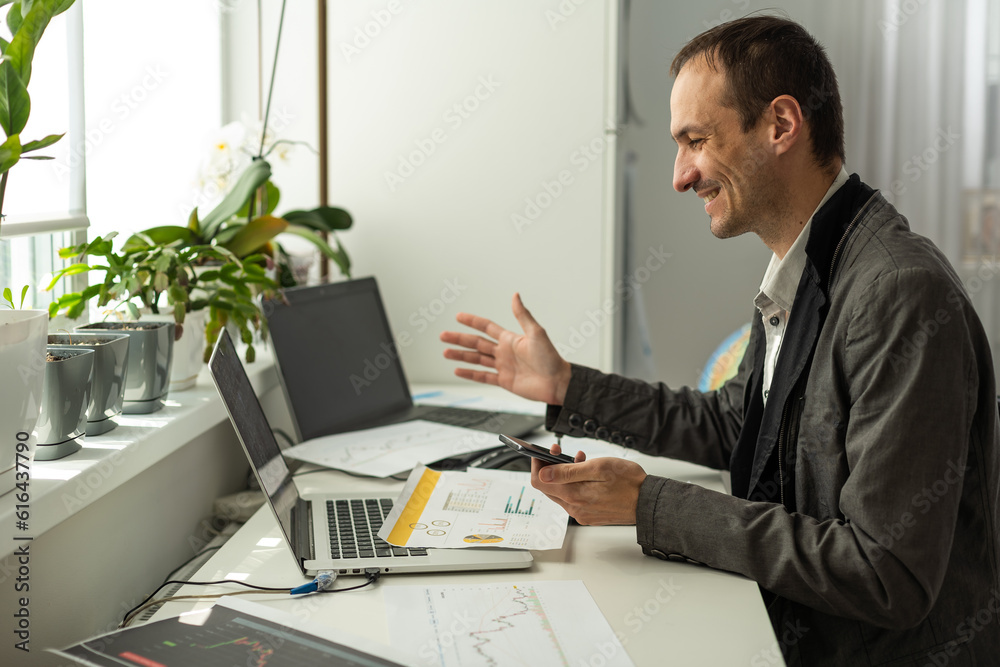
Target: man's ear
(787,123)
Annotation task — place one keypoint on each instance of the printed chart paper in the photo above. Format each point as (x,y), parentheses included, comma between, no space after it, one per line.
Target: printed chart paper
(233,632)
(388,450)
(486,508)
(552,623)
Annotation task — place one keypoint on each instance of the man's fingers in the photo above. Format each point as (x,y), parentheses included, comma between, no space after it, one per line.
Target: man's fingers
(487,326)
(477,376)
(471,341)
(469,357)
(524,317)
(567,473)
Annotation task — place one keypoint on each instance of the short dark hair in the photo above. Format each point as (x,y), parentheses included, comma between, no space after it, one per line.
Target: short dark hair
(767,56)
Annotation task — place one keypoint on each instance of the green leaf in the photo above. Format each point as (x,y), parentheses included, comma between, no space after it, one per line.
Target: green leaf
(337,255)
(323,218)
(133,309)
(72,251)
(14,18)
(208,276)
(254,234)
(37,157)
(10,152)
(193,223)
(8,296)
(63,6)
(71,270)
(76,310)
(255,175)
(41,143)
(159,236)
(36,15)
(271,193)
(24,293)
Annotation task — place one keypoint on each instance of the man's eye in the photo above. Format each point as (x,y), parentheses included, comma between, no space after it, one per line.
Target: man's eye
(694,143)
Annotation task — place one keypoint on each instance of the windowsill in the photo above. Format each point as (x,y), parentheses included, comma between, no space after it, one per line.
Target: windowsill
(60,489)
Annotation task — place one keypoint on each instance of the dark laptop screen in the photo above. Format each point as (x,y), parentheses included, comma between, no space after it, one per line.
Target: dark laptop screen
(253,431)
(339,364)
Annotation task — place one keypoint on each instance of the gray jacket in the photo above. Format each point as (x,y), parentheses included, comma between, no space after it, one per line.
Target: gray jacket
(865,494)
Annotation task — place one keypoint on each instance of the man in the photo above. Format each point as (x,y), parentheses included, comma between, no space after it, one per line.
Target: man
(861,430)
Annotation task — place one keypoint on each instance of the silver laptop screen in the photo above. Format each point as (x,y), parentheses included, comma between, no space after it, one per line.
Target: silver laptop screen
(339,364)
(254,431)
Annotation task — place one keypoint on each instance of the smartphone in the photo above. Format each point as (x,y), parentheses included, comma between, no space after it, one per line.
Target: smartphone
(534,451)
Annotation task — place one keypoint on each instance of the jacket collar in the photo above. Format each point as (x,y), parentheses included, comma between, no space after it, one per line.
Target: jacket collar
(756,450)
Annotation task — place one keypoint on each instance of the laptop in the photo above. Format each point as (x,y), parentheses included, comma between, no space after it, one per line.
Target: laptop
(333,347)
(330,531)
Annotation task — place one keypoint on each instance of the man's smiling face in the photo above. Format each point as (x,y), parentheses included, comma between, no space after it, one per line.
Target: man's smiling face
(729,169)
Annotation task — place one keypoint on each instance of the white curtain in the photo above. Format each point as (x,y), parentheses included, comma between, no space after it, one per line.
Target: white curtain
(919,81)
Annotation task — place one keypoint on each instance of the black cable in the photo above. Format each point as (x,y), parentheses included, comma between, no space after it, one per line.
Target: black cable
(372,575)
(189,560)
(149,597)
(287,438)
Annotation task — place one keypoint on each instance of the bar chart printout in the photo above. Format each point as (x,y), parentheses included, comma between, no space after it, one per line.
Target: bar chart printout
(552,623)
(220,637)
(472,509)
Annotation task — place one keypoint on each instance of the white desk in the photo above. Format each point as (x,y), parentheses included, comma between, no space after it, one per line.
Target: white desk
(664,612)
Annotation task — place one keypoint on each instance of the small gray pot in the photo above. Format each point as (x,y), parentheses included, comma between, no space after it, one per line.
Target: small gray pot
(65,399)
(107,390)
(150,353)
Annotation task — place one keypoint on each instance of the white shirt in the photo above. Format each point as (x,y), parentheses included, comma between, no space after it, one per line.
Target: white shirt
(778,287)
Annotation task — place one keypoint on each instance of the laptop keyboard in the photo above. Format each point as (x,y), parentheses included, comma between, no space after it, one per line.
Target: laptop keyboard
(354,526)
(464,417)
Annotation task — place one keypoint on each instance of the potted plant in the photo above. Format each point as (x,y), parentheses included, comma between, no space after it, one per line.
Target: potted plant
(107,389)
(245,220)
(22,371)
(65,399)
(151,349)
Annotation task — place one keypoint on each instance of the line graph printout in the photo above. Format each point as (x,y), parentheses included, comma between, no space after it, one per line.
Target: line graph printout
(552,623)
(387,450)
(485,508)
(233,632)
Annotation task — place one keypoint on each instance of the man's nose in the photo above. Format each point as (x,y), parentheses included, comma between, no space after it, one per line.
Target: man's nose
(685,173)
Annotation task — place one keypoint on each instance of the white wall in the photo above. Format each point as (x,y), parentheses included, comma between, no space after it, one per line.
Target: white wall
(442,240)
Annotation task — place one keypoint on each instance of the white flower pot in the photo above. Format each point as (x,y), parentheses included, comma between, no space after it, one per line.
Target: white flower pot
(23,336)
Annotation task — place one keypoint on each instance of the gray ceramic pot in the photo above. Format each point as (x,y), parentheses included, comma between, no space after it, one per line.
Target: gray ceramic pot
(150,352)
(65,399)
(107,390)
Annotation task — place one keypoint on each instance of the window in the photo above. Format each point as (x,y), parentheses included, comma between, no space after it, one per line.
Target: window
(46,198)
(138,87)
